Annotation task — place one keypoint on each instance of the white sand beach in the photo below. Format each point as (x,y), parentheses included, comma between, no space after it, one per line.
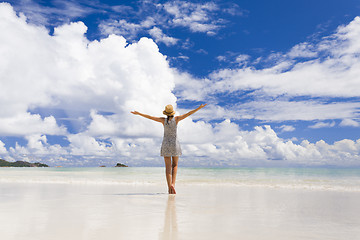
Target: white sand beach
(43,211)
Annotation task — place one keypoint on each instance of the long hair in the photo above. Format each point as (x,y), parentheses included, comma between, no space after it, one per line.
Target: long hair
(168,118)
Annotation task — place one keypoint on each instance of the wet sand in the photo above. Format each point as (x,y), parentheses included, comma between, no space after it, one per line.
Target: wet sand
(84,211)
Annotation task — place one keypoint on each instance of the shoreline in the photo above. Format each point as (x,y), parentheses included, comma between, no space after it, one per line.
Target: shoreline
(311,179)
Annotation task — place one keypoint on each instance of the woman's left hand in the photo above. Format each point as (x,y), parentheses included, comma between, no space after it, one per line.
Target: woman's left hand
(202,105)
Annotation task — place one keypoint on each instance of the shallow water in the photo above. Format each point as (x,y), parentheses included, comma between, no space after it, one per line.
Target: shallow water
(327,179)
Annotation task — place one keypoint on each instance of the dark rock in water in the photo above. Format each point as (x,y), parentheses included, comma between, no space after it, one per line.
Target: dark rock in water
(120,165)
(4,163)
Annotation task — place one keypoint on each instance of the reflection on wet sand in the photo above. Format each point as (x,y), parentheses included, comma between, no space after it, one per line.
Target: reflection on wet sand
(170,230)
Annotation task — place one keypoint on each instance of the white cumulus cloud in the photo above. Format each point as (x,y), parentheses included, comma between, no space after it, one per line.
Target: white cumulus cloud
(287,128)
(159,36)
(82,78)
(197,17)
(349,123)
(323,125)
(333,71)
(3,149)
(97,83)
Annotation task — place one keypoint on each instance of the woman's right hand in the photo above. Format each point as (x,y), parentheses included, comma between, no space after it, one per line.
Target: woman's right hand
(135,112)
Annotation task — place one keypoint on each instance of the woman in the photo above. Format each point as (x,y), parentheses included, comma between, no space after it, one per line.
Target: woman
(170,148)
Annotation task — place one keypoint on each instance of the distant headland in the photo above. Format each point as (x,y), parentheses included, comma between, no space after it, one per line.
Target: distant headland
(120,165)
(4,163)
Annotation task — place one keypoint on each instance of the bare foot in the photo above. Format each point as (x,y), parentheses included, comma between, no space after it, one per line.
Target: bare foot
(173,190)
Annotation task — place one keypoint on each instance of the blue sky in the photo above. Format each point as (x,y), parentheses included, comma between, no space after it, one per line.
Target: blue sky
(280,78)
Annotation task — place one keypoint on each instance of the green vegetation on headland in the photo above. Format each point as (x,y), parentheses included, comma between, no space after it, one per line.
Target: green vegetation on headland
(117,165)
(120,165)
(4,163)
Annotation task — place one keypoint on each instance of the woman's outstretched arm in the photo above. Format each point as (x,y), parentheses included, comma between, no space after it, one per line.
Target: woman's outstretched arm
(181,117)
(157,119)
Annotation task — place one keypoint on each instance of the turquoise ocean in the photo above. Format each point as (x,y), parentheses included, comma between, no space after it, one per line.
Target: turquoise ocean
(326,179)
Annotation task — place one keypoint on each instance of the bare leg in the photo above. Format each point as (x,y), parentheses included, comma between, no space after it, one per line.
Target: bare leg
(168,172)
(174,172)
